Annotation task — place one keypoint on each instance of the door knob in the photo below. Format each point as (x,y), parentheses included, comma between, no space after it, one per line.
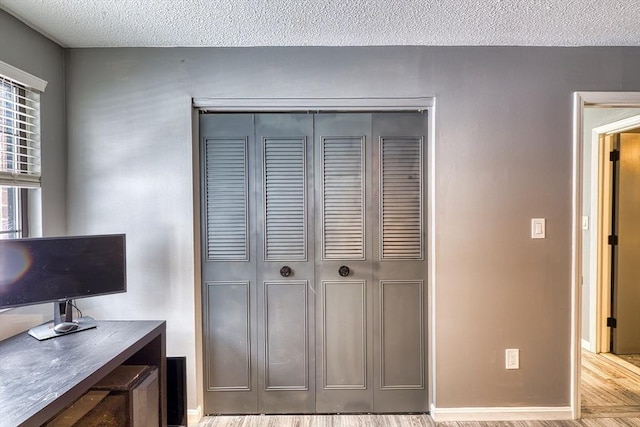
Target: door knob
(286,271)
(344,271)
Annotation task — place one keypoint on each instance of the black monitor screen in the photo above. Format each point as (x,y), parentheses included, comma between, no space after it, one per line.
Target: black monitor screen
(35,271)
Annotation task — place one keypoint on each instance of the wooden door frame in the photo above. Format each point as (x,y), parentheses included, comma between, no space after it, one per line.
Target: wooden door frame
(262,105)
(580,101)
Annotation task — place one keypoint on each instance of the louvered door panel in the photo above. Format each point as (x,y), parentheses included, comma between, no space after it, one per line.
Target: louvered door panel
(285,264)
(228,264)
(284,199)
(401,198)
(400,299)
(344,377)
(343,198)
(226,199)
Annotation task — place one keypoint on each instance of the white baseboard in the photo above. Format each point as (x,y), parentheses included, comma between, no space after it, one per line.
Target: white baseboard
(501,414)
(586,345)
(194,416)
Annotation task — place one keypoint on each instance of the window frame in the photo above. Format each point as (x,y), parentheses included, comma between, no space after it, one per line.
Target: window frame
(27,87)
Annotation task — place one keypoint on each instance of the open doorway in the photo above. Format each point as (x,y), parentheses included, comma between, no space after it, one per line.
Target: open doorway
(599,117)
(610,207)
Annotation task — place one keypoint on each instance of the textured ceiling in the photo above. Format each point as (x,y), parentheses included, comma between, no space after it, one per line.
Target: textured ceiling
(136,23)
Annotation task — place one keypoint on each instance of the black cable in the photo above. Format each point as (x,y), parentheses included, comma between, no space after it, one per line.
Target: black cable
(77,309)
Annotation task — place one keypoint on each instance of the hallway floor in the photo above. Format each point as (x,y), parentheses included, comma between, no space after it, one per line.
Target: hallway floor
(634,359)
(608,388)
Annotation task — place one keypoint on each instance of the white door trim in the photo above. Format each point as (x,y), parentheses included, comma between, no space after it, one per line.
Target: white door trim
(312,104)
(483,414)
(580,100)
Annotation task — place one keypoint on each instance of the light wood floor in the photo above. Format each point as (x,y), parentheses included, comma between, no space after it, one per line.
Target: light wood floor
(394,421)
(633,359)
(610,398)
(609,388)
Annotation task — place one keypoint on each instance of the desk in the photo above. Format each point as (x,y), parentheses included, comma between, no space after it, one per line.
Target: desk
(38,379)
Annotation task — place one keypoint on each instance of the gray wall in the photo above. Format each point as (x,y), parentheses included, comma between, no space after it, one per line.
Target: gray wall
(502,154)
(29,51)
(593,117)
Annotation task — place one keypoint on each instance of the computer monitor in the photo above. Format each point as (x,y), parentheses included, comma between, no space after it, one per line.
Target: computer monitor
(59,270)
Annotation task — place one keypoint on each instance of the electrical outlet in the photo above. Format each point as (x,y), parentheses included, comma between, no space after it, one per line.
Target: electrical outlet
(512,358)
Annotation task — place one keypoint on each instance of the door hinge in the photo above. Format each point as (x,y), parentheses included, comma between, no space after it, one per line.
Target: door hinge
(613,240)
(611,322)
(614,155)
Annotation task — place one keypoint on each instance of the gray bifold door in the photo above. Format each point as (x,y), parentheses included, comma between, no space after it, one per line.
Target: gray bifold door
(314,262)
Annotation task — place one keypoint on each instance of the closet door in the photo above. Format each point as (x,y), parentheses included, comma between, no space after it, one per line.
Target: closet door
(398,233)
(371,269)
(228,263)
(314,262)
(343,263)
(285,264)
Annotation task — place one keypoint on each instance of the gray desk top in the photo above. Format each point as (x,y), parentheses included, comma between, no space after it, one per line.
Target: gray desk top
(40,378)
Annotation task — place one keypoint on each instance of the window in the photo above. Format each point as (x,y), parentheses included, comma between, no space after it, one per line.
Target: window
(19,147)
(12,210)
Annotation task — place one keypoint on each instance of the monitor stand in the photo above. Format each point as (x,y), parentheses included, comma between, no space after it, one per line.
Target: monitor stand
(63,323)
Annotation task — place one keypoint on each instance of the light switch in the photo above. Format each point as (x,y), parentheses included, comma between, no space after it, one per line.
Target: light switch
(585,222)
(538,228)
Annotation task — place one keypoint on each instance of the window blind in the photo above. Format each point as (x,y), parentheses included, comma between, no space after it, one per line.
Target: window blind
(19,134)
